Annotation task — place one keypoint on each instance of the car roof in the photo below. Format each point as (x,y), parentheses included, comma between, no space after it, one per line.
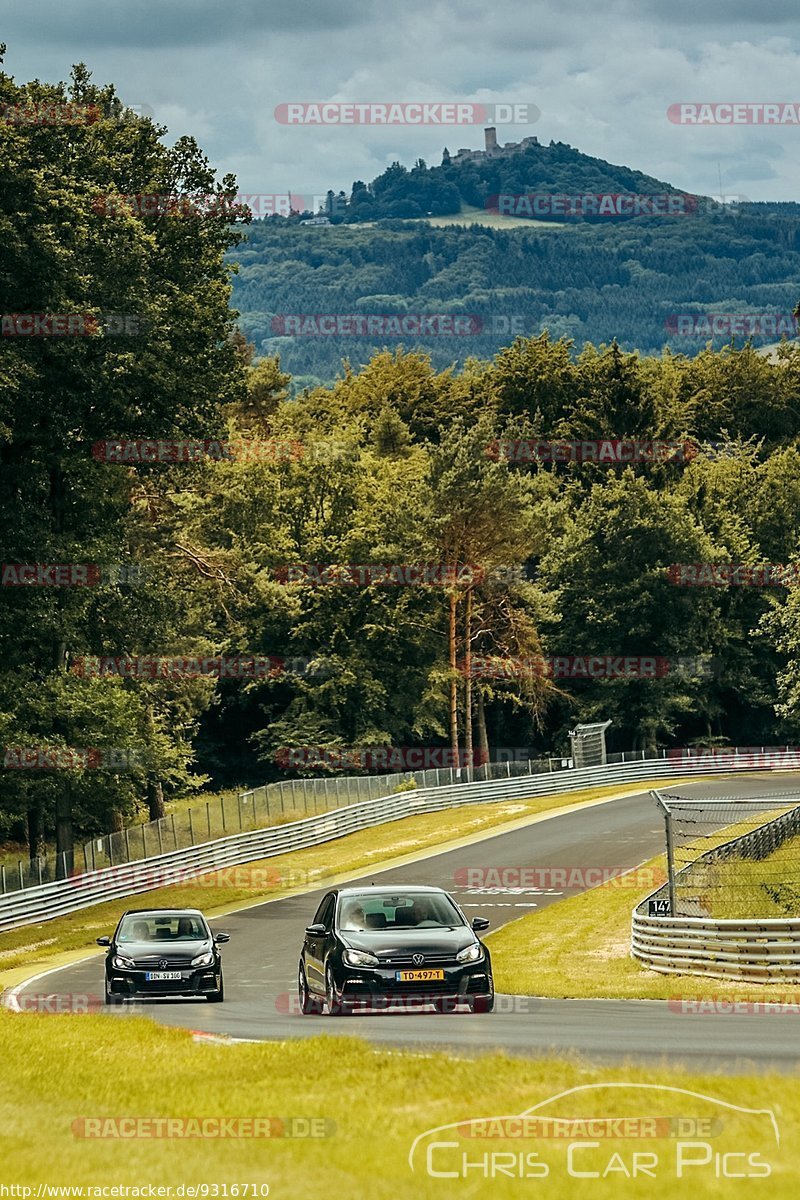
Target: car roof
(162,912)
(385,890)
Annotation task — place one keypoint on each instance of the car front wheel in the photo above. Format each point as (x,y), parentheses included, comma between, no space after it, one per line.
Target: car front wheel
(482,1004)
(218,996)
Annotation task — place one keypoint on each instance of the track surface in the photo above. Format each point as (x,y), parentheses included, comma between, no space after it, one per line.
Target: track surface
(261,960)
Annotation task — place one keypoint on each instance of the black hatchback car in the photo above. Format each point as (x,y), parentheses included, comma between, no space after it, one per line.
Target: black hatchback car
(382,946)
(163,952)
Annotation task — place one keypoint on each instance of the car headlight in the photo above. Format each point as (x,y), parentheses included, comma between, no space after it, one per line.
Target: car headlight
(360,958)
(121,961)
(204,960)
(470,953)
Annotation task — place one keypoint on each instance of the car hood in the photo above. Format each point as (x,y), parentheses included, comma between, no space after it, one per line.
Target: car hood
(163,949)
(390,943)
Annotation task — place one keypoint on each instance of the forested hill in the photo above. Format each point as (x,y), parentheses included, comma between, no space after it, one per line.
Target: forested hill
(444,190)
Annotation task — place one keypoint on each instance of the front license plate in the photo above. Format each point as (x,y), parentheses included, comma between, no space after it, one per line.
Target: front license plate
(154,976)
(418,976)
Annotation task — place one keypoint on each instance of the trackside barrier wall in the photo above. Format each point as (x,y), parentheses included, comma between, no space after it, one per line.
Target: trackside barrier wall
(756,950)
(69,895)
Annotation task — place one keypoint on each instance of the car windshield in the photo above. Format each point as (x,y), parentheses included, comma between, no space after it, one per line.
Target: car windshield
(161,927)
(408,910)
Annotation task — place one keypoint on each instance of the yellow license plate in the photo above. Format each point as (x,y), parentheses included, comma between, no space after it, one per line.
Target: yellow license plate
(419,976)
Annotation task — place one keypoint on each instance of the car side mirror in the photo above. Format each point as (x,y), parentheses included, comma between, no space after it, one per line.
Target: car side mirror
(316,930)
(480,923)
(103,941)
(221,937)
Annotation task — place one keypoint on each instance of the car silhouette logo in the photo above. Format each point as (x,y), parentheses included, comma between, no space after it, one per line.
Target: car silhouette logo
(162,962)
(418,959)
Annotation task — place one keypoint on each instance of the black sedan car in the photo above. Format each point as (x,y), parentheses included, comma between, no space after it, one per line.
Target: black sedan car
(383,946)
(163,952)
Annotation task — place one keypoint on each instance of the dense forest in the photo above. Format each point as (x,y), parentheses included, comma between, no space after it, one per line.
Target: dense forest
(207,551)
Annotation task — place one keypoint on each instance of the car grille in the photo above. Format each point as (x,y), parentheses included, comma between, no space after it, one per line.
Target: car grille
(407,960)
(154,963)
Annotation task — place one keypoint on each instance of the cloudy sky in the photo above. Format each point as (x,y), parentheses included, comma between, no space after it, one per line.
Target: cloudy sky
(602,75)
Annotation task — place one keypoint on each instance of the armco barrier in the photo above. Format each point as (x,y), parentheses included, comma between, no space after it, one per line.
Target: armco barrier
(757,950)
(69,895)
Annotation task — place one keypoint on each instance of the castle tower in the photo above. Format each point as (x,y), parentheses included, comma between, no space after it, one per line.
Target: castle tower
(490,136)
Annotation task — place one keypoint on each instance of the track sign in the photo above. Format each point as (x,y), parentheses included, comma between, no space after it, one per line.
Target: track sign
(658,908)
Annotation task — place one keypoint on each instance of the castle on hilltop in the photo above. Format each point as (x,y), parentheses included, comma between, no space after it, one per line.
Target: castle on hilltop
(492,149)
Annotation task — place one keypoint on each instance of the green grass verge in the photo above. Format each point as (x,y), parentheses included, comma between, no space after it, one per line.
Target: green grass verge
(36,945)
(738,888)
(580,948)
(60,1070)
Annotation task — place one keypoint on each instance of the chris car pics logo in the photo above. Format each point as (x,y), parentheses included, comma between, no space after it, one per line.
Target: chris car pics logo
(606,1131)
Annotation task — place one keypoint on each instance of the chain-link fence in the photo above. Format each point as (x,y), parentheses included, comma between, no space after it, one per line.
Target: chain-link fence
(272,804)
(733,858)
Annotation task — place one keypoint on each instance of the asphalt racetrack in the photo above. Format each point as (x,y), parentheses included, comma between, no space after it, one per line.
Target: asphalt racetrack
(261,960)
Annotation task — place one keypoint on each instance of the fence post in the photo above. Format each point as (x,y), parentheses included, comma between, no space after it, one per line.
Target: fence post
(239,806)
(19,869)
(39,868)
(160,836)
(222,807)
(208,817)
(174,834)
(86,858)
(3,877)
(127,846)
(144,840)
(110,851)
(670,854)
(191,828)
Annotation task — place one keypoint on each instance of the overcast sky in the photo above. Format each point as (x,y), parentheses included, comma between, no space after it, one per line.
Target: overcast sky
(602,75)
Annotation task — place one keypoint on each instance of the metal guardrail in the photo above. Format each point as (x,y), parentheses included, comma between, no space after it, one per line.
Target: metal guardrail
(70,895)
(258,808)
(756,949)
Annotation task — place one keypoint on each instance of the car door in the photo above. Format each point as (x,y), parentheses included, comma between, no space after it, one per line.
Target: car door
(316,945)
